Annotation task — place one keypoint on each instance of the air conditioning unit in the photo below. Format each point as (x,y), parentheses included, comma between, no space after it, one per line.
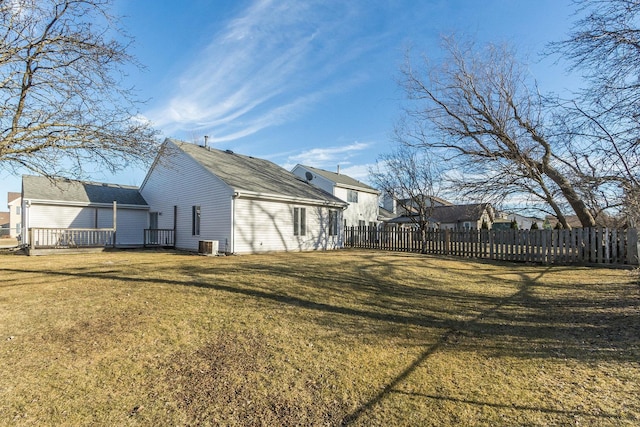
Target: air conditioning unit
(208,247)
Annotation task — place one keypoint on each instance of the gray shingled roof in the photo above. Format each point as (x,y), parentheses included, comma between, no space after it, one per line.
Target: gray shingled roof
(458,213)
(66,190)
(452,214)
(246,173)
(339,178)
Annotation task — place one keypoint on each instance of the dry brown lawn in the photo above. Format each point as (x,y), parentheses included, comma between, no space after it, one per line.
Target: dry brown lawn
(330,338)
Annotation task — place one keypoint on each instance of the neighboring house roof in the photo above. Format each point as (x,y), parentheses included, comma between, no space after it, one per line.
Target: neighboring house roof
(11,196)
(258,176)
(452,214)
(4,219)
(79,192)
(458,213)
(409,202)
(341,179)
(384,214)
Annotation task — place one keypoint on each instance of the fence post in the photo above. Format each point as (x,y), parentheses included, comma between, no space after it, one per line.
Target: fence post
(447,241)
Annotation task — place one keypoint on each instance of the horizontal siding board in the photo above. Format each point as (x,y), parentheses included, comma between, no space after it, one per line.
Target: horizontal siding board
(130,226)
(130,222)
(262,226)
(181,181)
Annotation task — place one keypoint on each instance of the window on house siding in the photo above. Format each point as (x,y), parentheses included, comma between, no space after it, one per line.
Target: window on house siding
(299,221)
(352,196)
(195,220)
(333,223)
(17,210)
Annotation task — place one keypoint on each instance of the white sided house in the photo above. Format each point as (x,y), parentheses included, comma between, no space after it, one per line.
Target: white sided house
(14,203)
(240,203)
(63,204)
(363,201)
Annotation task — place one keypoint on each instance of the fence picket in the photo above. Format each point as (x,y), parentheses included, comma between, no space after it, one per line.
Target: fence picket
(576,246)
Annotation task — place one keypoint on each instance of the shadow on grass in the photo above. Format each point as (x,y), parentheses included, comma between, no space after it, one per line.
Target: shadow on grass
(601,328)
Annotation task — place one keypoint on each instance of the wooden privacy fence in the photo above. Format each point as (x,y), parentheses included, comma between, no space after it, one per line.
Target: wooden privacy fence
(576,246)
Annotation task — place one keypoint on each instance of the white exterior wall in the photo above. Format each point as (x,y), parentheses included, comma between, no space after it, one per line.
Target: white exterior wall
(51,216)
(365,210)
(181,181)
(130,225)
(317,181)
(130,222)
(15,217)
(262,226)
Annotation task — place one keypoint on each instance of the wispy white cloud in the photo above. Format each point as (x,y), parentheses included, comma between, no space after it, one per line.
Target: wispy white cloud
(267,66)
(329,156)
(320,156)
(359,172)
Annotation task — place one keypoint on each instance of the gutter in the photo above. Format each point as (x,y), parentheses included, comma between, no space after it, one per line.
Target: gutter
(85,204)
(282,198)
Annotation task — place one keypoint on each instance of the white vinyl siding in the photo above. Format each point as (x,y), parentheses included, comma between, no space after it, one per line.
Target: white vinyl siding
(366,209)
(318,181)
(15,218)
(130,222)
(263,226)
(181,181)
(130,226)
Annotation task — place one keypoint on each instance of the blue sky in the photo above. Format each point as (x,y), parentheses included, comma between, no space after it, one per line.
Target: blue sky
(311,82)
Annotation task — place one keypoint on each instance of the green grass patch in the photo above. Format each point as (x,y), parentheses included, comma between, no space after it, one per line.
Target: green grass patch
(327,338)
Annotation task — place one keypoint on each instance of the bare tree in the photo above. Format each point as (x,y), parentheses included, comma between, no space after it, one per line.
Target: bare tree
(480,109)
(62,100)
(411,178)
(604,45)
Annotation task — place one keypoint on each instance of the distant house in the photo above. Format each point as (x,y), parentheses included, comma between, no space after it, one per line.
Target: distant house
(505,221)
(4,224)
(458,217)
(409,206)
(70,204)
(14,203)
(362,199)
(242,203)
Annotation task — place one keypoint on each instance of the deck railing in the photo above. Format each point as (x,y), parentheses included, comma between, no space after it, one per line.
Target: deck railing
(52,238)
(163,237)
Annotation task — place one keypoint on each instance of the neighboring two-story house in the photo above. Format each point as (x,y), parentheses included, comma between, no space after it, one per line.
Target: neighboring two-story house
(363,209)
(14,203)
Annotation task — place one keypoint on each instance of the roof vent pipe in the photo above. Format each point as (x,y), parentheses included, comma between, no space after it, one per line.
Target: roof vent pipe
(206,140)
(338,169)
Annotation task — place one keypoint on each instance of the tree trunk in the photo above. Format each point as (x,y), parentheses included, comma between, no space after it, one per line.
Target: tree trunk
(578,206)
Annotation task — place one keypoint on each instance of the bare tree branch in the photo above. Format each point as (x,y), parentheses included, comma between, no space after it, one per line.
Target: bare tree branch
(62,102)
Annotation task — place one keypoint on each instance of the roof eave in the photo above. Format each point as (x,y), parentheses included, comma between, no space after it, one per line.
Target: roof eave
(83,204)
(284,198)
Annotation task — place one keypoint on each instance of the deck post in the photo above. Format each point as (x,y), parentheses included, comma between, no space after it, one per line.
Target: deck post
(115,218)
(175,224)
